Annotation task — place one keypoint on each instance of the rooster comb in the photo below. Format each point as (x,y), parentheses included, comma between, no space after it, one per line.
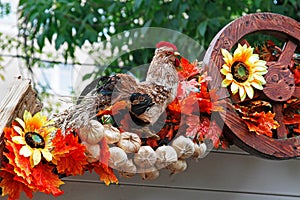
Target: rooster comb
(166,44)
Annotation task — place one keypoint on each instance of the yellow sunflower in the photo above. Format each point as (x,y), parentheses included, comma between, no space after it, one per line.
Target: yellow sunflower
(35,135)
(243,71)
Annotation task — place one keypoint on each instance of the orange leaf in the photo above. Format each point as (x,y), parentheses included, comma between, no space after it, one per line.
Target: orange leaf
(9,133)
(118,106)
(292,120)
(174,111)
(11,187)
(190,104)
(193,123)
(107,111)
(188,69)
(106,173)
(152,142)
(69,154)
(261,122)
(104,153)
(45,181)
(214,133)
(297,76)
(21,164)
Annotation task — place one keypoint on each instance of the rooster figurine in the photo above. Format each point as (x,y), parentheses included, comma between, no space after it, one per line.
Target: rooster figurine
(146,100)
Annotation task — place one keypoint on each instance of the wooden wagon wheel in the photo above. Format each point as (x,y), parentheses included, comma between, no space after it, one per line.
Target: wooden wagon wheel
(279,88)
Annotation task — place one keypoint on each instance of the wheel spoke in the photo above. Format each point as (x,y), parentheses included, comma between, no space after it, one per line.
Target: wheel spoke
(278,110)
(297,92)
(287,53)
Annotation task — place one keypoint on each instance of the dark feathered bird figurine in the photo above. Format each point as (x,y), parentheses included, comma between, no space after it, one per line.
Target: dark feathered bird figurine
(146,100)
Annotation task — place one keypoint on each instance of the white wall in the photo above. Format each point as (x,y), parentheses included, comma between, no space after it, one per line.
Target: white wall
(222,175)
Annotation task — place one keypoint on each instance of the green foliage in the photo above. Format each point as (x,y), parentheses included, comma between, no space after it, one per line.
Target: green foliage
(72,23)
(4,9)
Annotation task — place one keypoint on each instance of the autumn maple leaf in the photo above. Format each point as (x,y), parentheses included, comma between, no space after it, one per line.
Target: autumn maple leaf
(105,172)
(297,76)
(188,69)
(12,187)
(21,165)
(45,180)
(104,153)
(68,154)
(261,122)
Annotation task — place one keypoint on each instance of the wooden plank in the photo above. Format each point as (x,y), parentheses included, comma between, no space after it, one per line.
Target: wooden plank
(20,97)
(228,172)
(79,191)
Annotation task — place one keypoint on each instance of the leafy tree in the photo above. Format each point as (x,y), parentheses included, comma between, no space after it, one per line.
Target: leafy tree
(76,22)
(68,25)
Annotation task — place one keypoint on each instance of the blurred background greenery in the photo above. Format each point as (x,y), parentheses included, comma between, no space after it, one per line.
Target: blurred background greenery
(69,25)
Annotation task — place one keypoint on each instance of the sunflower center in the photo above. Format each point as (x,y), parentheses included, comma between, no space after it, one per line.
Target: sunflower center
(34,140)
(240,72)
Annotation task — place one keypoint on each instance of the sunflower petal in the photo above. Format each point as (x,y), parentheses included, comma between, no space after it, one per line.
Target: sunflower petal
(25,151)
(227,57)
(234,88)
(260,78)
(47,155)
(27,116)
(252,58)
(242,93)
(226,82)
(249,91)
(21,122)
(224,71)
(19,140)
(229,77)
(261,69)
(18,130)
(257,85)
(238,52)
(36,157)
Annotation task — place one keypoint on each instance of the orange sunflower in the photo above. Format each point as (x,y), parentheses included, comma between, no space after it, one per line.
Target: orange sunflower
(243,71)
(35,135)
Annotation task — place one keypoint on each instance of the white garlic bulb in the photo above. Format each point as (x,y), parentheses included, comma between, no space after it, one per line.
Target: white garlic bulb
(92,133)
(111,134)
(145,157)
(93,152)
(165,156)
(128,170)
(150,174)
(117,158)
(178,166)
(130,142)
(184,147)
(200,150)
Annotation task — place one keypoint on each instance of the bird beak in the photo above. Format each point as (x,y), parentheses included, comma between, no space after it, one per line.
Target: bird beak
(176,53)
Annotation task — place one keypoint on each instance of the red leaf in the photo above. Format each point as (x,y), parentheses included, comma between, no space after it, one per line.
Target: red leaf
(9,133)
(214,133)
(45,181)
(152,142)
(190,104)
(69,154)
(261,122)
(106,173)
(11,187)
(174,111)
(295,119)
(188,69)
(104,154)
(193,123)
(297,76)
(21,164)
